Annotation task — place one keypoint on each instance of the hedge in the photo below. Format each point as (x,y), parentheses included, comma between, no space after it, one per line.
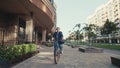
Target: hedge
(8,53)
(49,44)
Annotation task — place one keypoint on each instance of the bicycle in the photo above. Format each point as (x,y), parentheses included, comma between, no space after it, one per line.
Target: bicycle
(57,55)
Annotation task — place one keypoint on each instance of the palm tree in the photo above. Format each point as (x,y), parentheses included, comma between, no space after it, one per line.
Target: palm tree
(81,36)
(78,26)
(89,29)
(77,33)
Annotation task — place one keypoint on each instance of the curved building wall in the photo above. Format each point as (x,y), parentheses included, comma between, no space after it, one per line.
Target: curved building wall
(31,18)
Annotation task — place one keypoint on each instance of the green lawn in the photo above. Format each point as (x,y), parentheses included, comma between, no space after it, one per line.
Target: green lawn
(75,43)
(107,46)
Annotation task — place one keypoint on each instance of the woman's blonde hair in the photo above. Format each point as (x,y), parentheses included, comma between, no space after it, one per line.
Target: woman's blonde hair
(57,28)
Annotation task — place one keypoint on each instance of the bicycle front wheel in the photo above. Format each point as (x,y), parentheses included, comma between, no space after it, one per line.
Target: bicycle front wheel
(56,57)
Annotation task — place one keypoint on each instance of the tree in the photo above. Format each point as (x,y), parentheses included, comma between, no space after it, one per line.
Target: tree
(81,36)
(77,26)
(77,33)
(71,36)
(89,29)
(109,28)
(105,30)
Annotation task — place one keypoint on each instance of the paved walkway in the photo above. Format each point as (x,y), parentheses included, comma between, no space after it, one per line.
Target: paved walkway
(71,58)
(112,51)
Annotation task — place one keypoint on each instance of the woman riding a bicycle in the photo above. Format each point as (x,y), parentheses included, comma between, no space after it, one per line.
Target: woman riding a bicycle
(58,37)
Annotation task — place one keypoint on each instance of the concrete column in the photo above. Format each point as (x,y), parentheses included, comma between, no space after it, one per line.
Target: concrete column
(29,30)
(96,41)
(44,35)
(36,38)
(118,41)
(110,41)
(104,41)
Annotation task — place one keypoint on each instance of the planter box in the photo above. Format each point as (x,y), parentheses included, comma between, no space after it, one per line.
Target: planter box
(115,61)
(4,64)
(90,50)
(75,46)
(12,62)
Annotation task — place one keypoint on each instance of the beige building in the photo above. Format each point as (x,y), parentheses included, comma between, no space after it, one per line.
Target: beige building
(111,11)
(26,21)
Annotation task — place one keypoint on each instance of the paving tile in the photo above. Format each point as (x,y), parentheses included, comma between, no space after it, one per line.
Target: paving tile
(71,58)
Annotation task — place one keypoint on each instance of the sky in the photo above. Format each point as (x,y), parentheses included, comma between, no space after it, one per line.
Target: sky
(72,12)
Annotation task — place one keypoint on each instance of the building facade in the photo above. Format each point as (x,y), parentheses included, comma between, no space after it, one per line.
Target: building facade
(111,11)
(26,21)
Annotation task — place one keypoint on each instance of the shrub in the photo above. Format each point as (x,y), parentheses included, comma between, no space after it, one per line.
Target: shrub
(49,44)
(8,53)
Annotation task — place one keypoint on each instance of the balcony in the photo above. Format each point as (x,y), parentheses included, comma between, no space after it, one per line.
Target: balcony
(46,7)
(43,11)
